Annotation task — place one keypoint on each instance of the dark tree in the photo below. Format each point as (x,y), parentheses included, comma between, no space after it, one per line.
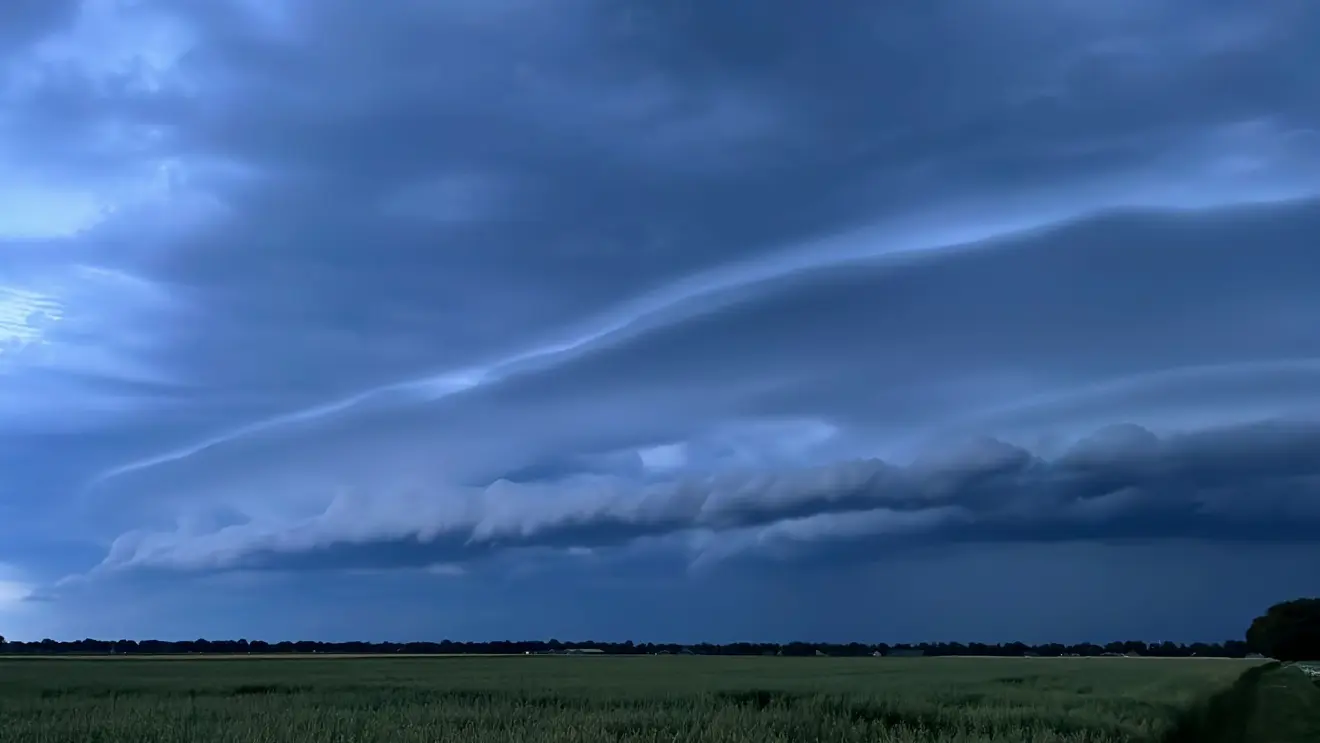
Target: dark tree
(1288,631)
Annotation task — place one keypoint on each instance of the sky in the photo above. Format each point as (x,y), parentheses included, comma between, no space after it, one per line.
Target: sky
(963,320)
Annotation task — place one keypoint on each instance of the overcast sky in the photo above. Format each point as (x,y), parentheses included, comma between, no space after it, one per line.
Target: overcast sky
(673,321)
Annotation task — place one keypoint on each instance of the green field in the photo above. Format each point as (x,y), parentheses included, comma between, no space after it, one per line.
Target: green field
(616,699)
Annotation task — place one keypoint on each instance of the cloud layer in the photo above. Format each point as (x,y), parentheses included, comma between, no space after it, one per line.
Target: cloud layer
(675,290)
(1247,483)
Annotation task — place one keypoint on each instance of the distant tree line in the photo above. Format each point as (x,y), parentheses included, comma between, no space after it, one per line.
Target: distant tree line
(1230,649)
(1287,631)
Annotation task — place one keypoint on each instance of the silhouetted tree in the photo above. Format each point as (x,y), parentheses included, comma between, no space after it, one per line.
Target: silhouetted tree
(1288,631)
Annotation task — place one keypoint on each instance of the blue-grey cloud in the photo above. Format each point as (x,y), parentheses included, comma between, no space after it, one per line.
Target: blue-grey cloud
(291,287)
(27,21)
(1248,483)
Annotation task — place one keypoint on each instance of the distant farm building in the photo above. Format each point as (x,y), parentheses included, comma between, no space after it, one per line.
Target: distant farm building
(584,651)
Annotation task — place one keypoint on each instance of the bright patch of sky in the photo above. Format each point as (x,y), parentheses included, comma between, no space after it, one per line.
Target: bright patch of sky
(31,211)
(24,317)
(124,53)
(14,592)
(664,457)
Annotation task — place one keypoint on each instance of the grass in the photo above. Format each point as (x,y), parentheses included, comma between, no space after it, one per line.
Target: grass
(1285,706)
(613,699)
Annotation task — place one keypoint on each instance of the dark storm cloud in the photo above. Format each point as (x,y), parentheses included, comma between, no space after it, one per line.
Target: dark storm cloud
(907,350)
(1123,294)
(597,151)
(442,284)
(918,343)
(1249,483)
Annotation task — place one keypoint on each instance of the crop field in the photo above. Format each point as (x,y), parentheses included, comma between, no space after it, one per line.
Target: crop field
(614,699)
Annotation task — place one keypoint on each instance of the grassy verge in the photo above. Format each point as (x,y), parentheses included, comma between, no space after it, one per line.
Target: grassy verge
(1223,717)
(1287,708)
(1268,704)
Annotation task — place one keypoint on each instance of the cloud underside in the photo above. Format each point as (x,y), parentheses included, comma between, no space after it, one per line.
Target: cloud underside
(1246,483)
